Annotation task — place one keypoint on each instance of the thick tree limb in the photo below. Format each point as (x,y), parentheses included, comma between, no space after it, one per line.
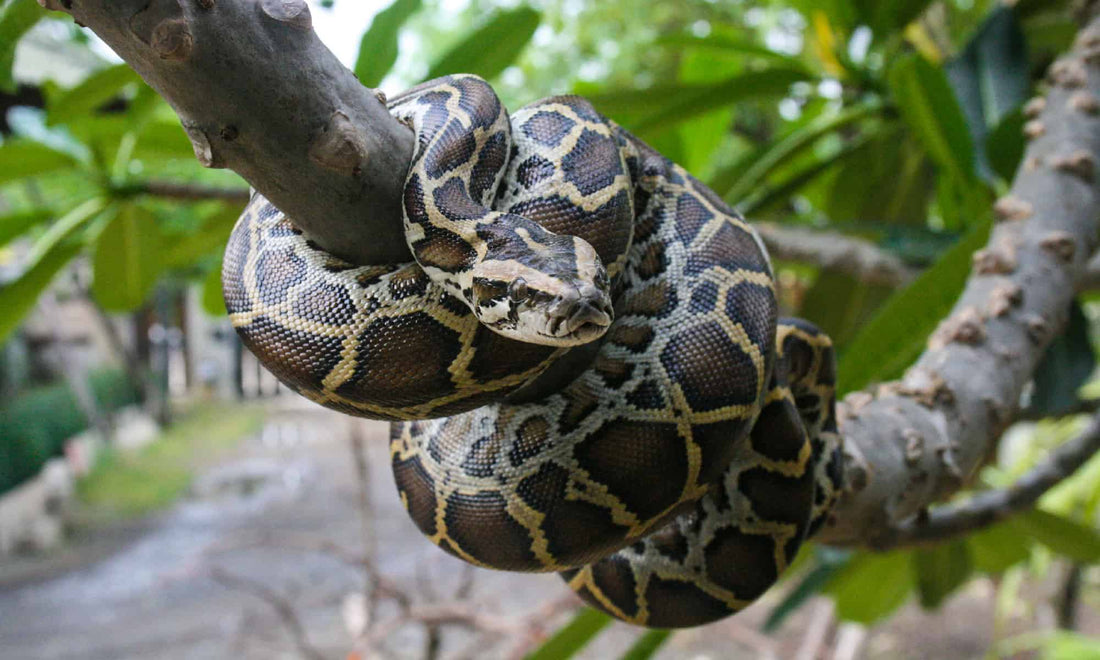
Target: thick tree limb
(988,507)
(259,93)
(916,441)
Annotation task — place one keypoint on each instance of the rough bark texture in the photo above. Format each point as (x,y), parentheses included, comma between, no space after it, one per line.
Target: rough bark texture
(258,92)
(914,442)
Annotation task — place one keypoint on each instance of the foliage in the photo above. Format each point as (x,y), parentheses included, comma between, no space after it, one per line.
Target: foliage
(34,425)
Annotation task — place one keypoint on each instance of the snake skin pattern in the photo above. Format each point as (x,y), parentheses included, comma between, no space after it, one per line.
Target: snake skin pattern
(672,477)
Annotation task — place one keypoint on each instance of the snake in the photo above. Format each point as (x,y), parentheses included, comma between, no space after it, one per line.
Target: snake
(583,364)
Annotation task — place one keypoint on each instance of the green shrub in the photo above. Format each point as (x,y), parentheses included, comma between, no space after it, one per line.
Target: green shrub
(35,424)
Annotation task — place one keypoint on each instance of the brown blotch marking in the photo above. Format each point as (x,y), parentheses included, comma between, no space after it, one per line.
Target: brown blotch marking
(593,164)
(614,372)
(729,558)
(444,250)
(677,604)
(653,261)
(498,356)
(408,282)
(778,433)
(635,338)
(454,148)
(616,580)
(277,348)
(691,217)
(648,395)
(324,304)
(779,498)
(531,439)
(479,523)
(644,464)
(729,248)
(403,361)
(414,482)
(580,402)
(654,300)
(716,442)
(712,371)
(577,532)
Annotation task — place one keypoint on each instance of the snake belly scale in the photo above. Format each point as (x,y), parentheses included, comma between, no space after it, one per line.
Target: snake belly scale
(670,478)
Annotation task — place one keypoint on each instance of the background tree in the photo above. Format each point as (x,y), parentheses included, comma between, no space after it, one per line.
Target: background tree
(874,143)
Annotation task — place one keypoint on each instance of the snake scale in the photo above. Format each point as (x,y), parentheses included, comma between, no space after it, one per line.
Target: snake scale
(583,365)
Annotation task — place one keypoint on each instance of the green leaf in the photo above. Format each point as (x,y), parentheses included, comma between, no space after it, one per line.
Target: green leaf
(213,301)
(66,226)
(1062,535)
(646,645)
(995,549)
(493,47)
(927,104)
(693,100)
(17,298)
(872,586)
(889,182)
(784,149)
(16,17)
(1005,144)
(991,78)
(211,236)
(378,48)
(781,191)
(572,637)
(20,159)
(731,44)
(14,225)
(96,90)
(894,338)
(1066,366)
(841,304)
(887,17)
(940,570)
(129,257)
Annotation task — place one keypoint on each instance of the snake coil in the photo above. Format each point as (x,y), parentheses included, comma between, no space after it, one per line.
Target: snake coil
(583,364)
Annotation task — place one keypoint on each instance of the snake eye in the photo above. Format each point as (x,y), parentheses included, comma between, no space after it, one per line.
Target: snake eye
(517,290)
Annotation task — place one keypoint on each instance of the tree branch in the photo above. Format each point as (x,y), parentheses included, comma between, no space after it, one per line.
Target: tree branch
(258,92)
(861,259)
(989,507)
(917,441)
(186,191)
(282,607)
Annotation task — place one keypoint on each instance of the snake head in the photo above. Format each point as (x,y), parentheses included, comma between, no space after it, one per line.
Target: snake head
(555,294)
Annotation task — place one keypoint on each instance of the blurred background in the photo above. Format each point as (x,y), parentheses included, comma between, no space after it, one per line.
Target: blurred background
(161,495)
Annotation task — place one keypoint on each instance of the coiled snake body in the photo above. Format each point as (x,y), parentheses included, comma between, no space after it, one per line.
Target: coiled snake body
(671,476)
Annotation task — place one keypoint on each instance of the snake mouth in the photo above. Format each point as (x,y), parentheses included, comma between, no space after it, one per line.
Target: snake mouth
(584,320)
